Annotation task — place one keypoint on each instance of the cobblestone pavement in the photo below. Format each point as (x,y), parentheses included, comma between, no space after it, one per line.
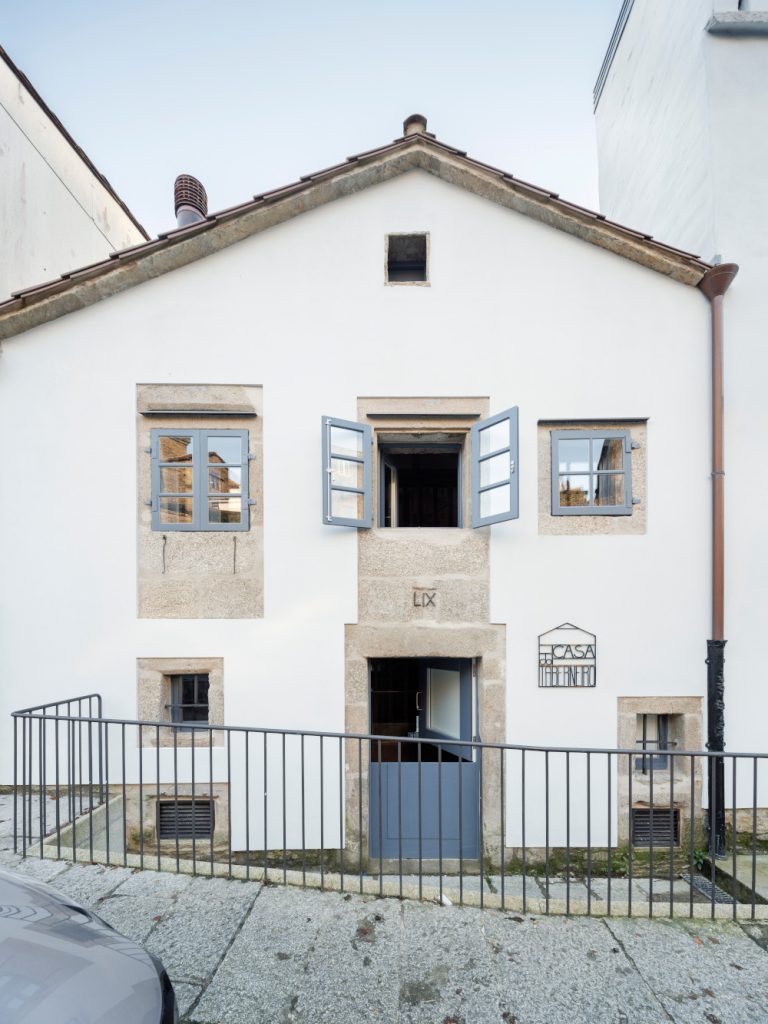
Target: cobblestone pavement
(240,952)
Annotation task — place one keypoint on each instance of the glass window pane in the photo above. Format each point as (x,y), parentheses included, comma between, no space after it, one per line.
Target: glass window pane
(175,449)
(345,505)
(221,479)
(225,510)
(346,473)
(573,456)
(494,502)
(493,471)
(346,442)
(175,510)
(608,453)
(444,703)
(202,689)
(575,490)
(494,437)
(175,478)
(187,689)
(225,449)
(609,489)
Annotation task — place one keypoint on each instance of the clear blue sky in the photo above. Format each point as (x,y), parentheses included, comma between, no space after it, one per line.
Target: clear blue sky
(250,95)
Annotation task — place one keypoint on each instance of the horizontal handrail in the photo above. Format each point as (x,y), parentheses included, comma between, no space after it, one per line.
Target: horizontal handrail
(203,727)
(58,703)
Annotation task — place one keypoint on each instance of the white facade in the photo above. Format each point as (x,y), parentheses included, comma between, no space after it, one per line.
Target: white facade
(515,310)
(56,212)
(682,153)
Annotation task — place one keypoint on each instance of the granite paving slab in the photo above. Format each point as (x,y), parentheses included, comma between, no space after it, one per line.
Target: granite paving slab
(205,917)
(699,971)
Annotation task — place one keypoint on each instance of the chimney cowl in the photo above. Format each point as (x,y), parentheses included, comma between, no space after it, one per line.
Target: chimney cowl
(416,124)
(190,201)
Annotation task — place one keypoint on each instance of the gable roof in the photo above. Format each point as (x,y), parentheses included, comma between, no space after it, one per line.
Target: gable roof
(417,150)
(22,78)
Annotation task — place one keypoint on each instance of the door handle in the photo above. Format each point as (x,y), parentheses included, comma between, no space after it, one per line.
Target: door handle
(418,706)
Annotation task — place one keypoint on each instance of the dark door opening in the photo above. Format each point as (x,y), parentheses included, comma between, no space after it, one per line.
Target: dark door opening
(397,710)
(420,485)
(424,797)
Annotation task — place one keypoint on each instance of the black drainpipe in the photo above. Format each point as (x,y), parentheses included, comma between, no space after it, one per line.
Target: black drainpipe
(715,284)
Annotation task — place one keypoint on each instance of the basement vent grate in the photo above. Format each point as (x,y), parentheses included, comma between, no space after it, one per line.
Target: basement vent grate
(705,887)
(179,818)
(663,830)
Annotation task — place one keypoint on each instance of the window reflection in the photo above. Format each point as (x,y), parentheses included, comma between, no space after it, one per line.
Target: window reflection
(175,510)
(495,437)
(225,479)
(346,442)
(607,452)
(575,490)
(228,450)
(225,510)
(175,448)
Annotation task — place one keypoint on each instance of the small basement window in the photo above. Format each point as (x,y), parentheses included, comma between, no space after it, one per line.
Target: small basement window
(654,742)
(419,485)
(662,828)
(406,258)
(189,699)
(185,819)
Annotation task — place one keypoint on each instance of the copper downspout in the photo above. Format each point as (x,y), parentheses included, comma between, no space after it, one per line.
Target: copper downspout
(715,284)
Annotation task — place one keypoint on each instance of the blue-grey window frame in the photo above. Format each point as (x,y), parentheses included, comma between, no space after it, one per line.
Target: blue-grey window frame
(176,707)
(657,759)
(365,460)
(591,510)
(200,490)
(514,489)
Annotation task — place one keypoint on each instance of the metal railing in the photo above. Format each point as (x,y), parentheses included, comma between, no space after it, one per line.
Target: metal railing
(538,829)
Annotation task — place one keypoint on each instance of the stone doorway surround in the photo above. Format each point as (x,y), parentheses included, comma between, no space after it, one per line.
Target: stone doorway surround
(396,567)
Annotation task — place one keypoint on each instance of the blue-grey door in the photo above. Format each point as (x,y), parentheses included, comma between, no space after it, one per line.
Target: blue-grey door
(430,807)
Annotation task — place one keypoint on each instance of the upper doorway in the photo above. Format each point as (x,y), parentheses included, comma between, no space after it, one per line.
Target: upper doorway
(420,485)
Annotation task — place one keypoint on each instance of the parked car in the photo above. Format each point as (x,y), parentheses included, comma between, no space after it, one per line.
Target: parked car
(60,962)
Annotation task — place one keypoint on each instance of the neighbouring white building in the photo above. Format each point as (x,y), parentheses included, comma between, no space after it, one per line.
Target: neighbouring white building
(681,105)
(57,212)
(409,447)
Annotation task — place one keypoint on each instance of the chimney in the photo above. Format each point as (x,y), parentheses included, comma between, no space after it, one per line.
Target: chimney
(190,200)
(416,124)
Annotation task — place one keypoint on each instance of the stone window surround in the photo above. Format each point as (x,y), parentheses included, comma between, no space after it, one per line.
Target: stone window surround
(685,729)
(209,574)
(634,523)
(153,694)
(435,420)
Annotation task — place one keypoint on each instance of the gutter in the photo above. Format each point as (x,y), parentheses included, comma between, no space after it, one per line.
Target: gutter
(714,285)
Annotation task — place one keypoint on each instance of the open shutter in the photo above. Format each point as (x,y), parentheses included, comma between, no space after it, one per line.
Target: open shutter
(346,473)
(495,491)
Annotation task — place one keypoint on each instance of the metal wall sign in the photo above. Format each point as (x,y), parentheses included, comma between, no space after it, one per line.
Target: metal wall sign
(567,657)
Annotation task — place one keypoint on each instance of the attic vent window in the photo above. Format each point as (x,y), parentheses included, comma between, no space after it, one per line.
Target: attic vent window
(406,259)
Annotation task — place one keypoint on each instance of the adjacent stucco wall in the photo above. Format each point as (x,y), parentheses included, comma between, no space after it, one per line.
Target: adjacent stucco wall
(55,215)
(542,320)
(654,150)
(680,101)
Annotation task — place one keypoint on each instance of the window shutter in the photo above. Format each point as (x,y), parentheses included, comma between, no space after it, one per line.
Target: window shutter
(346,473)
(495,486)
